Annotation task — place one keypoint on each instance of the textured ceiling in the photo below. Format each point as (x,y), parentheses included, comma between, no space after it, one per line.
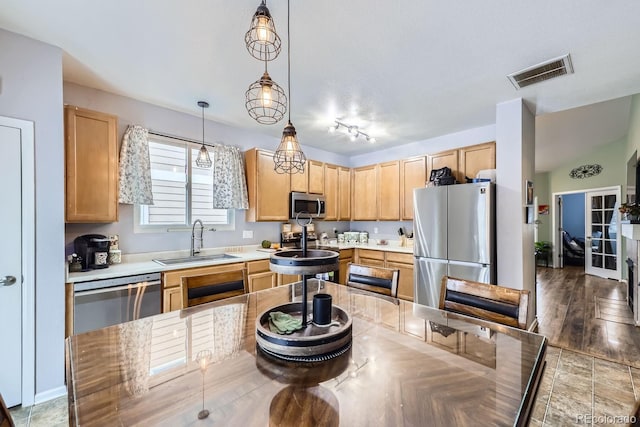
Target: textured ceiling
(402,71)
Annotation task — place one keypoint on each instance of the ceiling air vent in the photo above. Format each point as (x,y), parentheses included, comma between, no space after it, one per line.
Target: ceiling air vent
(555,67)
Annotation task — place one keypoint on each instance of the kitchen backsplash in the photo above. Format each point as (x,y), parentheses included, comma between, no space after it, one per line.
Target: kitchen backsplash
(131,242)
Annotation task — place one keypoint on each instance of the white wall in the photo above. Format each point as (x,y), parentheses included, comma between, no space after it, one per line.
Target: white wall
(31,89)
(515,149)
(428,146)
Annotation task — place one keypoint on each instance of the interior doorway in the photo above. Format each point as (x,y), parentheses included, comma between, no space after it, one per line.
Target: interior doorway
(17,263)
(591,241)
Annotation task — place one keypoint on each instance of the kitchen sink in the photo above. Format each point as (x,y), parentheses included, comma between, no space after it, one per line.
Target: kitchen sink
(195,258)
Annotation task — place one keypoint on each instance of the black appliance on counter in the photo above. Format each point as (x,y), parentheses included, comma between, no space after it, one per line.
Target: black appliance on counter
(94,251)
(293,239)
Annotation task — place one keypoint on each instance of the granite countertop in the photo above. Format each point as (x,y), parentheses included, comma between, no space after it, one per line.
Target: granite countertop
(143,262)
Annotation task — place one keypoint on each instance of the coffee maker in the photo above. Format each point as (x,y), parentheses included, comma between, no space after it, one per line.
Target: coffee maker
(94,251)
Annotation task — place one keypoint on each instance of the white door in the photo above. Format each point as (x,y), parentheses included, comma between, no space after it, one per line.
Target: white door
(602,244)
(11,266)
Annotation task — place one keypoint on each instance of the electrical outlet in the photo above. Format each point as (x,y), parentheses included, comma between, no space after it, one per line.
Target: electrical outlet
(247,234)
(375,230)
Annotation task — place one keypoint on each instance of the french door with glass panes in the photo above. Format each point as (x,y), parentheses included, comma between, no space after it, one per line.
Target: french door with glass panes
(602,247)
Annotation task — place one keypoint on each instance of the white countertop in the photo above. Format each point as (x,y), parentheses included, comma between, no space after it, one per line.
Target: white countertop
(142,263)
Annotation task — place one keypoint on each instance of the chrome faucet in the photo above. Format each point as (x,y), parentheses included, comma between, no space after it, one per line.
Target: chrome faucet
(194,238)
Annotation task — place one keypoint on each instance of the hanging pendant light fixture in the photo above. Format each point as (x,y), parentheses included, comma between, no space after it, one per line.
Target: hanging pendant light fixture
(203,160)
(289,157)
(266,101)
(262,41)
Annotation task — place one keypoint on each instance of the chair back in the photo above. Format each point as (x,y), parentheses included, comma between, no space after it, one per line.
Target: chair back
(374,279)
(5,415)
(212,287)
(489,302)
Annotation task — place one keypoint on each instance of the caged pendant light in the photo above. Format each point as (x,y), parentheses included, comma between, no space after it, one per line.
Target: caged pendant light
(203,160)
(262,41)
(266,101)
(289,157)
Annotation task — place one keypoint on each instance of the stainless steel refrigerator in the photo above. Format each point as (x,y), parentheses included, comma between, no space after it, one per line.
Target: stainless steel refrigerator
(454,235)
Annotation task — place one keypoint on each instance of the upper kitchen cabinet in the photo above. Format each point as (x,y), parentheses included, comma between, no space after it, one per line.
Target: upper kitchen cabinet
(444,159)
(413,174)
(300,181)
(316,177)
(331,192)
(389,191)
(475,158)
(365,193)
(91,166)
(268,190)
(344,194)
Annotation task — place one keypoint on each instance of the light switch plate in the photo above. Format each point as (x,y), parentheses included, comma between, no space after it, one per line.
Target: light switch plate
(247,234)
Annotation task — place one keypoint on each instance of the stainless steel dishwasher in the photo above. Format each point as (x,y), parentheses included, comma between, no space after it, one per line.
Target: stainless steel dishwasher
(107,302)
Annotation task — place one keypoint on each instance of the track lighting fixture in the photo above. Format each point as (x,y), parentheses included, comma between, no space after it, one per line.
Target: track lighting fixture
(353,131)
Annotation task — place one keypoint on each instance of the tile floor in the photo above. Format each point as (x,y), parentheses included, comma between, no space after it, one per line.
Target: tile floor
(576,389)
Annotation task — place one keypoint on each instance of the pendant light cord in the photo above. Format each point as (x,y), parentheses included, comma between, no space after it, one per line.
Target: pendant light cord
(203,124)
(289,56)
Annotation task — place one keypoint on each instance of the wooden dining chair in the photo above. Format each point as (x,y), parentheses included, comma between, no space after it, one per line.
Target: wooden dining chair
(374,279)
(5,415)
(212,287)
(489,302)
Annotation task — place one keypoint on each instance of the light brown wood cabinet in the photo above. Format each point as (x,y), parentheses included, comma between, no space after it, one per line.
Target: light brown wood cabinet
(300,181)
(402,261)
(344,194)
(91,166)
(268,190)
(475,158)
(346,256)
(316,177)
(171,290)
(389,191)
(259,276)
(331,192)
(285,279)
(370,257)
(365,193)
(444,159)
(413,174)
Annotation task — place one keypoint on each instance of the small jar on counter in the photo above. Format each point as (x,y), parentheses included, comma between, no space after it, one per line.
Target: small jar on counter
(115,256)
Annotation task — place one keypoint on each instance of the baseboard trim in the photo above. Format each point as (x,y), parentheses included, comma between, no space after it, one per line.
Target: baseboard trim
(50,395)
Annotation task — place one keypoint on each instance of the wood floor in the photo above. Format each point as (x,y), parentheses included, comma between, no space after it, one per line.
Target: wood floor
(587,314)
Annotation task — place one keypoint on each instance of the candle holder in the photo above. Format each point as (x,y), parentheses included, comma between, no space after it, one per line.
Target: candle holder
(203,358)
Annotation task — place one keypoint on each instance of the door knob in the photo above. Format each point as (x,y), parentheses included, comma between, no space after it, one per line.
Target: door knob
(7,280)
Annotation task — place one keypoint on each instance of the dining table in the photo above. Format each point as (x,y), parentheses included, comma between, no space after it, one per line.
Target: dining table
(406,365)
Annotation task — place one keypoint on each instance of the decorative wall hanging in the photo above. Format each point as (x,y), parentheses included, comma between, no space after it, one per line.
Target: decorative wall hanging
(585,171)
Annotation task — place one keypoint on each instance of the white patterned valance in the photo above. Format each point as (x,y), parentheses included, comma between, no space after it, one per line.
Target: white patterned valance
(135,169)
(229,180)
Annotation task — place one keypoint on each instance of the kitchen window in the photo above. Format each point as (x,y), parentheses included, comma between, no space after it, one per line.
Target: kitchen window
(182,191)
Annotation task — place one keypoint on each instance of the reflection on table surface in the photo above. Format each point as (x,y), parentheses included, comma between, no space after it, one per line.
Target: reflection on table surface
(408,365)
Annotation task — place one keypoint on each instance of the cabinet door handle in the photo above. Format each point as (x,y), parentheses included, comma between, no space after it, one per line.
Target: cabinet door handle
(7,280)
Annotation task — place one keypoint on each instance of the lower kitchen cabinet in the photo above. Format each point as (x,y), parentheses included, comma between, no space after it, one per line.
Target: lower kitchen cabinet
(172,299)
(370,257)
(171,290)
(399,260)
(285,279)
(260,281)
(404,263)
(259,275)
(346,256)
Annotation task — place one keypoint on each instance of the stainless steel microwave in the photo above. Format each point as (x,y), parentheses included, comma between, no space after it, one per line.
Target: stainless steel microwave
(303,205)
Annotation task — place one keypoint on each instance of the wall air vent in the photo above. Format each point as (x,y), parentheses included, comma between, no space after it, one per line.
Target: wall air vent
(550,69)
